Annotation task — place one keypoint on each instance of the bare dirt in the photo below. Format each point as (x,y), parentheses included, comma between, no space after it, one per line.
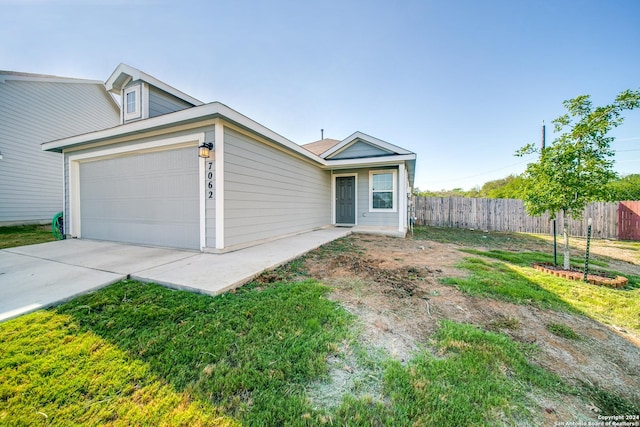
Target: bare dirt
(393,286)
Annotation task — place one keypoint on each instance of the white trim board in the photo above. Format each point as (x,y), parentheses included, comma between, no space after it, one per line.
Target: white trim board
(219,182)
(394,174)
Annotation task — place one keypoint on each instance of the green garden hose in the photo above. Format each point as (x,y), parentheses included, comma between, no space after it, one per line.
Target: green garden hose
(57,226)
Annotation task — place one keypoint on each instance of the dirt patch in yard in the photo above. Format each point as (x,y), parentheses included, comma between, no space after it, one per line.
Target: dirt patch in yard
(393,287)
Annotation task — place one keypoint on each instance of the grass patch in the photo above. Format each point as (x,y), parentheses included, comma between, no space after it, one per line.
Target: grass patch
(291,271)
(563,331)
(608,403)
(525,259)
(499,280)
(53,373)
(247,355)
(338,246)
(524,285)
(477,378)
(502,322)
(617,307)
(477,238)
(23,235)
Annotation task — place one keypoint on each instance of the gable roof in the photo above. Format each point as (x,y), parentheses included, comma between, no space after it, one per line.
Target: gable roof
(357,137)
(319,147)
(124,73)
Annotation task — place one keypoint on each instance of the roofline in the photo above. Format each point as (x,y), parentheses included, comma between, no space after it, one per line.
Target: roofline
(15,75)
(218,110)
(137,74)
(206,111)
(360,135)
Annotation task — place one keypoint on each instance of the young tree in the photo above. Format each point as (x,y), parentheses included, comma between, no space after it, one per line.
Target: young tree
(577,168)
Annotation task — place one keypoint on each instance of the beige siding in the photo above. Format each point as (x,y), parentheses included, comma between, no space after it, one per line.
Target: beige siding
(34,112)
(269,193)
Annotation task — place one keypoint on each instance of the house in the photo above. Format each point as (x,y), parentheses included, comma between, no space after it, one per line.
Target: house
(205,177)
(34,109)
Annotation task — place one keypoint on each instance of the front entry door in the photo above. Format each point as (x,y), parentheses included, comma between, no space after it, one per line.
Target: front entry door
(346,200)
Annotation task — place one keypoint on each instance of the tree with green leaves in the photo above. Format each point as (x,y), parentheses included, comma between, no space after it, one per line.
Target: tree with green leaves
(577,167)
(504,188)
(625,188)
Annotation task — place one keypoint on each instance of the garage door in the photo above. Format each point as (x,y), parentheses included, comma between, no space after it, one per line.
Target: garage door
(149,198)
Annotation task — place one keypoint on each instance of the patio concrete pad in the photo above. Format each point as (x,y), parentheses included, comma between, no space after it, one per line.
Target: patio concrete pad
(216,273)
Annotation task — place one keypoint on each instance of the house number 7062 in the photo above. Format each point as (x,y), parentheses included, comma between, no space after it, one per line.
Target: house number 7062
(209,180)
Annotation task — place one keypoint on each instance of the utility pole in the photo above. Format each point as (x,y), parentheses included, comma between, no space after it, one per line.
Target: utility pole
(544,135)
(321,134)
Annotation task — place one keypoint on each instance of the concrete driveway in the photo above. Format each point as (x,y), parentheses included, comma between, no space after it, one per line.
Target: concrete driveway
(43,275)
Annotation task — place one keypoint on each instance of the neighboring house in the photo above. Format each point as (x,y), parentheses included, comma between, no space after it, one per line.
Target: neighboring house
(144,182)
(35,109)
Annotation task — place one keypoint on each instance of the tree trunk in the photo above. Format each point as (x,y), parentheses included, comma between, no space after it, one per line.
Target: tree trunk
(565,234)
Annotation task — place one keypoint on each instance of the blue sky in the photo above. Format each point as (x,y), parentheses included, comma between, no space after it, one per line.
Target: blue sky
(464,84)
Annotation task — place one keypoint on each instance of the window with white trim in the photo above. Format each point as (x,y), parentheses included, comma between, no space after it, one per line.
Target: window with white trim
(383,191)
(132,103)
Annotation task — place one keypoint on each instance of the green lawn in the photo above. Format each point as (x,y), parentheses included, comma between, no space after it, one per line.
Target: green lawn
(135,353)
(141,354)
(25,235)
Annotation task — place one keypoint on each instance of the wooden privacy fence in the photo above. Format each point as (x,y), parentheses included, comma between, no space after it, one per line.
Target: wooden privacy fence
(629,220)
(510,215)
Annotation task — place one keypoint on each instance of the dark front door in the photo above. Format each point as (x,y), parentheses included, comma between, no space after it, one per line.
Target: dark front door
(346,200)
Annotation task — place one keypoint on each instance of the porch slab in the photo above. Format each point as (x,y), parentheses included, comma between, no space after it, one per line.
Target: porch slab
(382,231)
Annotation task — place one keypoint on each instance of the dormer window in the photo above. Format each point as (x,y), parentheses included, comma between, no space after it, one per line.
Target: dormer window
(131,100)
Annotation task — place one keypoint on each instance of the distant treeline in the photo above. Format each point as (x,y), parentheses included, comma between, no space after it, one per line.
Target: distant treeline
(625,188)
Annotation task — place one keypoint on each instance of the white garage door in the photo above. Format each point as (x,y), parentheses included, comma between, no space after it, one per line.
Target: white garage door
(149,198)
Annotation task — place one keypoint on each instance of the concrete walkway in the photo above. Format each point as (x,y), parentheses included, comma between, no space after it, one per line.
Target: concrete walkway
(43,275)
